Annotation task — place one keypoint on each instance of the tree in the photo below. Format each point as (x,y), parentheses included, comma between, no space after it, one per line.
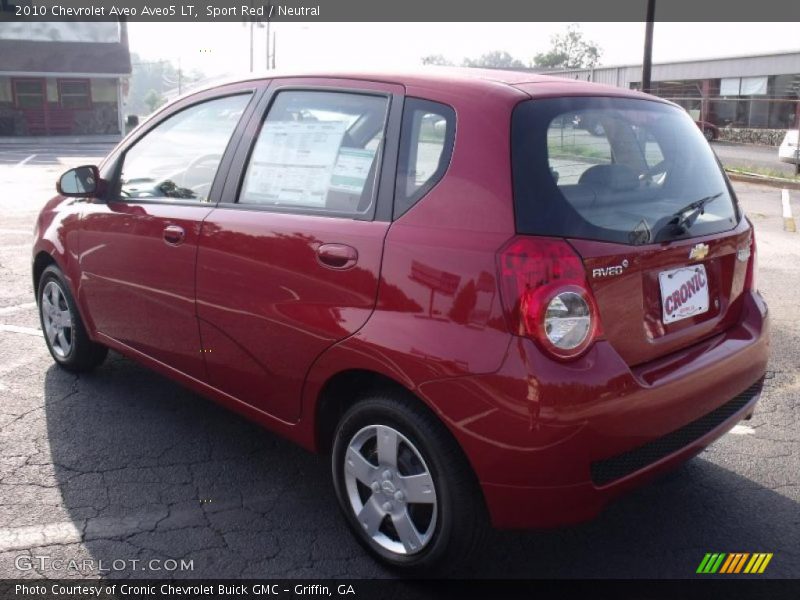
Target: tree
(437,60)
(569,51)
(495,60)
(161,76)
(153,100)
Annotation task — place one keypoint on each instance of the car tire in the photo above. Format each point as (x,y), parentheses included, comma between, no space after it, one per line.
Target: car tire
(62,326)
(413,525)
(708,134)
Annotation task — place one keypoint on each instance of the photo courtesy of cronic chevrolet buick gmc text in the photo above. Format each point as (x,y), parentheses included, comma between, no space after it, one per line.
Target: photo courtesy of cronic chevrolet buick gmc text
(483,312)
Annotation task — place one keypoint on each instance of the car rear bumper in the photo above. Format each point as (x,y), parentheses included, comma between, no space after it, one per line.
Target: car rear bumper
(547,507)
(553,443)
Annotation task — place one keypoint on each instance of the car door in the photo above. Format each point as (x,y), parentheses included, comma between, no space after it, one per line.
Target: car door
(289,261)
(138,248)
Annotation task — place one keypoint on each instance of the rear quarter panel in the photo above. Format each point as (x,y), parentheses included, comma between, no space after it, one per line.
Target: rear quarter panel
(439,313)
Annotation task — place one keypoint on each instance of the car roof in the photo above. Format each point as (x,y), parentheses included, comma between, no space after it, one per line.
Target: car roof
(428,75)
(443,78)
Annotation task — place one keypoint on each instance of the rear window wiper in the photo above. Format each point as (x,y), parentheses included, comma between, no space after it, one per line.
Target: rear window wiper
(684,218)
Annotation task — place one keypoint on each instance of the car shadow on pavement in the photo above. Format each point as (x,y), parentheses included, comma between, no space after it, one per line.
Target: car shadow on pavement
(148,471)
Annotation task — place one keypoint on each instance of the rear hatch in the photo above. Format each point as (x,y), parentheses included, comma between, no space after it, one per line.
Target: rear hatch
(634,187)
(664,299)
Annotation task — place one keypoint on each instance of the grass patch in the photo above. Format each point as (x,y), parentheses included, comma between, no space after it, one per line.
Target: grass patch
(765,171)
(555,150)
(432,139)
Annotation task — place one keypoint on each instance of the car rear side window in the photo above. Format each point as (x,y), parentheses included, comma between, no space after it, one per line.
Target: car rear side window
(426,145)
(615,169)
(318,152)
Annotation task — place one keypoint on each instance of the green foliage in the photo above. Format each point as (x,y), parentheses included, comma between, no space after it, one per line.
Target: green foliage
(159,76)
(555,150)
(569,50)
(437,60)
(152,100)
(763,171)
(495,60)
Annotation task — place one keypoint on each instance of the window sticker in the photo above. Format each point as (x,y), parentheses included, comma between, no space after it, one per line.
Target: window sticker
(293,162)
(351,170)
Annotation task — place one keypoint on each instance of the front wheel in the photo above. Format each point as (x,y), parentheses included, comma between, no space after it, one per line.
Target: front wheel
(64,332)
(405,487)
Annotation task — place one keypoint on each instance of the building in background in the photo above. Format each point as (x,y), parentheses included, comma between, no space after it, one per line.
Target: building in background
(751,92)
(63,78)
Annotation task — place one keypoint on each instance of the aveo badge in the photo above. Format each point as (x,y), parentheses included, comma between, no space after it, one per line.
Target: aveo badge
(610,271)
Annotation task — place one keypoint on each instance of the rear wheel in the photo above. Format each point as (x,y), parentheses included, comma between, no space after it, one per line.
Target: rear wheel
(64,332)
(406,489)
(709,134)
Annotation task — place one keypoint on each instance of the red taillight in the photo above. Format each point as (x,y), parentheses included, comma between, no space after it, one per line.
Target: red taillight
(750,282)
(546,296)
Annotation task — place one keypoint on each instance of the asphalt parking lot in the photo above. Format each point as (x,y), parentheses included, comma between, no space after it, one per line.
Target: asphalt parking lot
(122,465)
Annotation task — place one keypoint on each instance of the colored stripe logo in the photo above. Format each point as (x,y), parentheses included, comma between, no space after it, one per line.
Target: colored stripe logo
(734,562)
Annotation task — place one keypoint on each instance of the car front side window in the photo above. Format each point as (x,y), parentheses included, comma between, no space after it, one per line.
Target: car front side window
(179,158)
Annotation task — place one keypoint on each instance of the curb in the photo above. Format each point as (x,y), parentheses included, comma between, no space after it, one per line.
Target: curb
(763,180)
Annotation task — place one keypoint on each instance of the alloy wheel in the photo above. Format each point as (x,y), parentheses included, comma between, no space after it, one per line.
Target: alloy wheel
(57,319)
(390,490)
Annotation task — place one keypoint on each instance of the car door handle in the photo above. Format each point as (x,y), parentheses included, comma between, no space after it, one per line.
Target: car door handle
(337,256)
(174,235)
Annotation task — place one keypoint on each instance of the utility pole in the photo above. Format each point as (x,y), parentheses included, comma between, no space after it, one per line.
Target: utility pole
(274,37)
(797,140)
(252,23)
(269,11)
(647,61)
(268,45)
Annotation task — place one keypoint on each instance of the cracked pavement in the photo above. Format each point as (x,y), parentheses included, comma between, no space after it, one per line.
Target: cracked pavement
(124,465)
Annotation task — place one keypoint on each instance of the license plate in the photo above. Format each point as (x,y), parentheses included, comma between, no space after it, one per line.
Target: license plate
(684,293)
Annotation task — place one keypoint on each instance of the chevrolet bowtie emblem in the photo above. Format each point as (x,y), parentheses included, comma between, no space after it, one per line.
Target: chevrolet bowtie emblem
(698,252)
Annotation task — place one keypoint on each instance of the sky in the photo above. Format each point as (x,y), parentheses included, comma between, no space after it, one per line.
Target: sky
(224,48)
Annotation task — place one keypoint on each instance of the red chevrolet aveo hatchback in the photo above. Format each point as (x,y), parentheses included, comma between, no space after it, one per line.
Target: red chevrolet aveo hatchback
(482,311)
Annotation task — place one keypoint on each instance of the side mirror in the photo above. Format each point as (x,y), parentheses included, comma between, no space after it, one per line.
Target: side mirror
(80,182)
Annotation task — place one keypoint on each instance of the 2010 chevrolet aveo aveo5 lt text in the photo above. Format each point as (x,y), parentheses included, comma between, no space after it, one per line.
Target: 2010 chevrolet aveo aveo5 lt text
(484,312)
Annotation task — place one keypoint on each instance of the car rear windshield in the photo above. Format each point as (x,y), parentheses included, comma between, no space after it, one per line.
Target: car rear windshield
(615,169)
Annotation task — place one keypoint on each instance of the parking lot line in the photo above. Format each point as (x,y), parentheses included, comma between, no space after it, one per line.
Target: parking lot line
(21,538)
(25,330)
(788,220)
(10,310)
(25,160)
(742,430)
